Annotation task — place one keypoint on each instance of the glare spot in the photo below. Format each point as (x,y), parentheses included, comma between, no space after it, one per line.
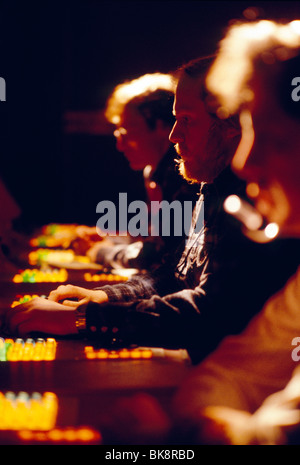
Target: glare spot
(271,230)
(232,204)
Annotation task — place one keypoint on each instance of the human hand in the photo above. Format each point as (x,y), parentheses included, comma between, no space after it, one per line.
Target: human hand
(82,295)
(279,415)
(85,238)
(218,425)
(271,424)
(88,233)
(40,315)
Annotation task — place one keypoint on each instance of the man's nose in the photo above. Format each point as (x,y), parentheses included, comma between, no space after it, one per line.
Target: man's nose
(176,135)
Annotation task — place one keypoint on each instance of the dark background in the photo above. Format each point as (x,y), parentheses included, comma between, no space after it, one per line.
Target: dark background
(60,61)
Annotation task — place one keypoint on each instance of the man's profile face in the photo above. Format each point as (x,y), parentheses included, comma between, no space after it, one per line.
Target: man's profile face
(136,140)
(271,164)
(196,135)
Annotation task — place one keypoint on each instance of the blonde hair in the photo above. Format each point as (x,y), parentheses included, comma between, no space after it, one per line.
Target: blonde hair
(140,88)
(244,43)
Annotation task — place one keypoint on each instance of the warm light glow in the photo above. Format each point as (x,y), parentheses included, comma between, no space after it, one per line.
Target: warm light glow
(125,92)
(92,353)
(233,67)
(41,256)
(103,277)
(55,235)
(74,435)
(246,142)
(23,411)
(20,350)
(147,171)
(244,212)
(232,204)
(271,230)
(252,189)
(295,25)
(47,275)
(23,299)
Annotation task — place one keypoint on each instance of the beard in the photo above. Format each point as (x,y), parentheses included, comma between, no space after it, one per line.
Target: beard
(181,166)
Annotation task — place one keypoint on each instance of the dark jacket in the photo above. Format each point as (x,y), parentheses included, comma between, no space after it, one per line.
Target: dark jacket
(217,286)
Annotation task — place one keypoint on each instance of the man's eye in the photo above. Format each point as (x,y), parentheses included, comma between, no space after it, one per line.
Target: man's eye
(183,119)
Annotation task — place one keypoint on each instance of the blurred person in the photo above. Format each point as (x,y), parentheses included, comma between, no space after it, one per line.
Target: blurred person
(13,237)
(197,299)
(248,390)
(141,111)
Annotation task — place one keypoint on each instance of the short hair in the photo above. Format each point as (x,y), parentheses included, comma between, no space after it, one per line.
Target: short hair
(151,94)
(197,69)
(264,47)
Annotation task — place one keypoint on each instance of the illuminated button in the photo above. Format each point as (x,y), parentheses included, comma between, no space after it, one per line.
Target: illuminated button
(121,354)
(124,353)
(50,349)
(2,350)
(113,354)
(56,435)
(22,299)
(103,277)
(22,411)
(102,353)
(50,407)
(26,435)
(68,435)
(40,436)
(147,353)
(89,352)
(87,434)
(29,350)
(135,353)
(39,350)
(39,276)
(14,352)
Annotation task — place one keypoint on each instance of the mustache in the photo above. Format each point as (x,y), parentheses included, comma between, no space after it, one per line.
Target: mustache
(178,150)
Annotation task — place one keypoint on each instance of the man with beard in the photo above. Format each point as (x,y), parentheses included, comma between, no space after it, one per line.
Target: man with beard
(247,391)
(196,301)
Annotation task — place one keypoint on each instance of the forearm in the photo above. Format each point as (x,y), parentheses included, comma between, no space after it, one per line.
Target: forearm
(138,287)
(161,281)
